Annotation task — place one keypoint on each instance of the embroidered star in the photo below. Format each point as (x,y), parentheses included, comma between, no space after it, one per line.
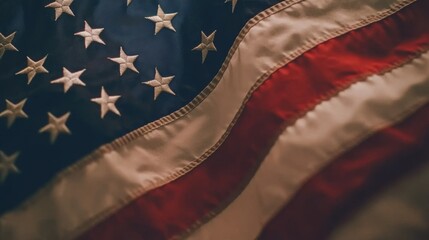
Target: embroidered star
(107,103)
(56,126)
(91,34)
(234,2)
(33,68)
(14,111)
(7,164)
(125,62)
(162,20)
(206,44)
(70,78)
(160,84)
(61,6)
(6,44)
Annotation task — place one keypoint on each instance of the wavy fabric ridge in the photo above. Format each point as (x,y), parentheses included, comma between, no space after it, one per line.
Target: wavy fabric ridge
(171,150)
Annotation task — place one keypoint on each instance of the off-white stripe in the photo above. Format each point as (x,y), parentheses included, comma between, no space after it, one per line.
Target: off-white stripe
(80,197)
(315,140)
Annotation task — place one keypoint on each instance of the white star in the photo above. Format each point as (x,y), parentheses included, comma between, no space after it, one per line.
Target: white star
(91,35)
(162,20)
(34,67)
(129,2)
(160,84)
(107,103)
(69,79)
(14,111)
(125,62)
(206,44)
(61,6)
(6,44)
(234,2)
(7,164)
(56,126)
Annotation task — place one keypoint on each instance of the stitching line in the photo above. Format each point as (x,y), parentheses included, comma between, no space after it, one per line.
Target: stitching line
(288,58)
(348,146)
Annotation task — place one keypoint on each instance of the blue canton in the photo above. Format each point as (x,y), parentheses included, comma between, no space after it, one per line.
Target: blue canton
(75,75)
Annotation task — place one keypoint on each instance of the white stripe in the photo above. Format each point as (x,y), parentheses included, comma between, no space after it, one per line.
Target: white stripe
(80,197)
(315,140)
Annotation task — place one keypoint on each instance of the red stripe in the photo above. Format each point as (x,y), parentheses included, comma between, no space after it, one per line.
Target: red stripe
(294,89)
(333,193)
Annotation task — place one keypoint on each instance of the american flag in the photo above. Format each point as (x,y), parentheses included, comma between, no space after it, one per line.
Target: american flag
(237,119)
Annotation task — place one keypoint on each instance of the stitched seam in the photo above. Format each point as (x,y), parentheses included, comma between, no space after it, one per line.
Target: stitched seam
(288,58)
(129,137)
(145,129)
(361,137)
(307,46)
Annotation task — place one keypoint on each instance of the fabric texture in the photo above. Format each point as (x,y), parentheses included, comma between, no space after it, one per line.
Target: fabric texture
(211,120)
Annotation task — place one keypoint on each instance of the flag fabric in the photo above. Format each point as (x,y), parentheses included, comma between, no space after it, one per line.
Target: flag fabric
(244,119)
